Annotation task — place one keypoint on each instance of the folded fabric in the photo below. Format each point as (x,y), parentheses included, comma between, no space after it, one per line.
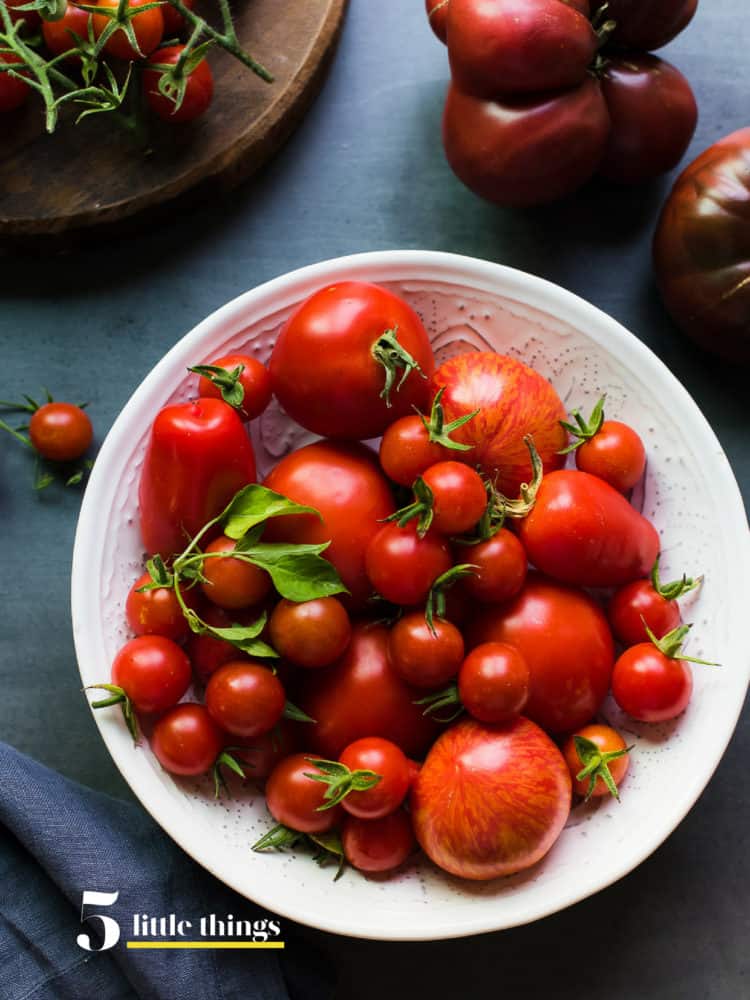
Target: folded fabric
(59,839)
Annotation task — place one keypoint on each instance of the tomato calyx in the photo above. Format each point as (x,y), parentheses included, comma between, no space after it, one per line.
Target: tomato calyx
(596,765)
(173,82)
(225,759)
(49,10)
(500,507)
(421,508)
(326,846)
(227,382)
(438,432)
(340,779)
(603,26)
(583,430)
(677,588)
(394,358)
(117,696)
(438,700)
(435,604)
(292,712)
(120,18)
(671,644)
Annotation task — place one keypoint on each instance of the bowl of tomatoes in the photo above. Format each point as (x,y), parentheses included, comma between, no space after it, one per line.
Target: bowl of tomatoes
(472,313)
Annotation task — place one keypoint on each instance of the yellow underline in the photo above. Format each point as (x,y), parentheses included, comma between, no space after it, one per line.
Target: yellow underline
(205,944)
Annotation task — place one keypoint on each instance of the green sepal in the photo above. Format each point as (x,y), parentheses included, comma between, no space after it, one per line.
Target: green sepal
(394,358)
(442,699)
(435,604)
(677,588)
(292,712)
(670,645)
(596,765)
(117,697)
(422,508)
(583,430)
(227,382)
(330,847)
(277,838)
(438,432)
(225,759)
(340,780)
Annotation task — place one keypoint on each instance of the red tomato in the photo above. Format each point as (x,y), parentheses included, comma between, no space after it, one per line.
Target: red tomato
(615,454)
(153,672)
(582,531)
(294,800)
(406,450)
(311,633)
(378,845)
(344,483)
(385,759)
(206,652)
(60,432)
(31,17)
(637,602)
(566,642)
(174,23)
(437,15)
(232,583)
(651,686)
(198,93)
(649,24)
(493,682)
(513,401)
(362,695)
(245,698)
(264,752)
(158,612)
(187,740)
(425,659)
(500,567)
(148,26)
(414,768)
(490,800)
(607,741)
(458,497)
(254,377)
(526,149)
(346,394)
(198,457)
(58,35)
(518,46)
(402,566)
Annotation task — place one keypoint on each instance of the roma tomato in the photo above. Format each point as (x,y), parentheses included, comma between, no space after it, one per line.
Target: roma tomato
(60,432)
(344,483)
(253,379)
(513,401)
(648,24)
(652,681)
(379,757)
(493,682)
(148,26)
(295,800)
(198,457)
(458,497)
(373,361)
(153,671)
(490,800)
(312,633)
(647,603)
(199,91)
(402,566)
(58,35)
(232,583)
(518,46)
(157,611)
(564,637)
(245,698)
(363,695)
(187,740)
(582,531)
(653,115)
(378,845)
(526,149)
(425,657)
(702,249)
(602,754)
(500,567)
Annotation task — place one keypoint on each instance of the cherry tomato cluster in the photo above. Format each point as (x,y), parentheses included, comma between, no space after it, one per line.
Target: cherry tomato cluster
(410,645)
(546,93)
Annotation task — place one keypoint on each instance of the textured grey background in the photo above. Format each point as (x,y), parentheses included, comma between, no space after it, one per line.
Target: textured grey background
(366,171)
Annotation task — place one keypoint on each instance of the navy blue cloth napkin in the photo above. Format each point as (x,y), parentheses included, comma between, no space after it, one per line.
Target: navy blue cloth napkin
(57,840)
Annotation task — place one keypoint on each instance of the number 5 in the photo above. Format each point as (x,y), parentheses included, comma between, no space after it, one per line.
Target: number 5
(109,924)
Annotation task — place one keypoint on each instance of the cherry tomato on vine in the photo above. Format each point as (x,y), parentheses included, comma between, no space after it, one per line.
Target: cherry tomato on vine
(425,657)
(157,611)
(295,800)
(153,671)
(229,582)
(60,432)
(148,26)
(245,698)
(254,378)
(494,682)
(382,758)
(500,567)
(58,35)
(174,22)
(378,845)
(311,633)
(402,566)
(187,740)
(606,742)
(198,93)
(459,497)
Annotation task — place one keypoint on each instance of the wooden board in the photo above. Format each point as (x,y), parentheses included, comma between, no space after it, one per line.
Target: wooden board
(90,179)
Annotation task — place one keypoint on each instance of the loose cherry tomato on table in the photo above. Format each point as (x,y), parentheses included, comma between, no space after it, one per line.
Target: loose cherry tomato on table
(186,740)
(157,611)
(60,432)
(648,604)
(425,657)
(500,567)
(295,800)
(608,449)
(59,35)
(196,99)
(401,566)
(229,582)
(245,698)
(597,757)
(312,633)
(494,682)
(370,778)
(147,25)
(249,390)
(378,845)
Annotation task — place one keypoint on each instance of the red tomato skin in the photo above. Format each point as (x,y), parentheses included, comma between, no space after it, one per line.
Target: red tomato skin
(293,798)
(422,659)
(245,698)
(198,457)
(517,47)
(57,34)
(526,149)
(339,396)
(153,671)
(231,583)
(158,612)
(513,401)
(344,482)
(437,15)
(493,682)
(650,686)
(378,845)
(406,450)
(174,22)
(362,695)
(490,800)
(607,740)
(254,379)
(186,740)
(637,601)
(198,93)
(206,652)
(402,566)
(501,567)
(582,531)
(564,637)
(389,761)
(459,497)
(31,17)
(264,752)
(615,454)
(310,634)
(649,24)
(61,432)
(148,26)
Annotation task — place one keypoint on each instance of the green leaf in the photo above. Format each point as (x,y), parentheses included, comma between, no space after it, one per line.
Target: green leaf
(299,572)
(255,504)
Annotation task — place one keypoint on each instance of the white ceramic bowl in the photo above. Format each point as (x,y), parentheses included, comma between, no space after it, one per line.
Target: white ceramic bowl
(689,492)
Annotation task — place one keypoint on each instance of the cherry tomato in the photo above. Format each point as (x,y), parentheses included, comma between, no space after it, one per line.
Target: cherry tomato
(606,740)
(58,35)
(650,686)
(232,583)
(384,759)
(174,22)
(31,17)
(153,672)
(294,799)
(245,698)
(406,450)
(615,454)
(158,612)
(254,377)
(206,652)
(423,657)
(198,93)
(500,567)
(649,24)
(458,497)
(639,601)
(148,26)
(60,432)
(493,682)
(262,753)
(187,740)
(351,329)
(311,633)
(378,845)
(402,566)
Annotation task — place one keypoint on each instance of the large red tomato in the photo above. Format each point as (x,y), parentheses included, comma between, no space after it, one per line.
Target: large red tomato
(343,482)
(513,400)
(490,800)
(648,24)
(565,639)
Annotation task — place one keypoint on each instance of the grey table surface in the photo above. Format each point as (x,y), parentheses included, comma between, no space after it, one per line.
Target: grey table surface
(366,171)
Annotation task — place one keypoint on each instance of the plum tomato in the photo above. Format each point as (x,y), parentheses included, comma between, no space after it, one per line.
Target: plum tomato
(459,497)
(311,633)
(198,95)
(602,754)
(406,450)
(295,800)
(153,671)
(148,26)
(493,682)
(245,698)
(500,567)
(378,845)
(648,603)
(186,740)
(402,566)
(58,35)
(425,657)
(385,770)
(651,681)
(157,611)
(60,432)
(254,379)
(373,361)
(648,24)
(229,582)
